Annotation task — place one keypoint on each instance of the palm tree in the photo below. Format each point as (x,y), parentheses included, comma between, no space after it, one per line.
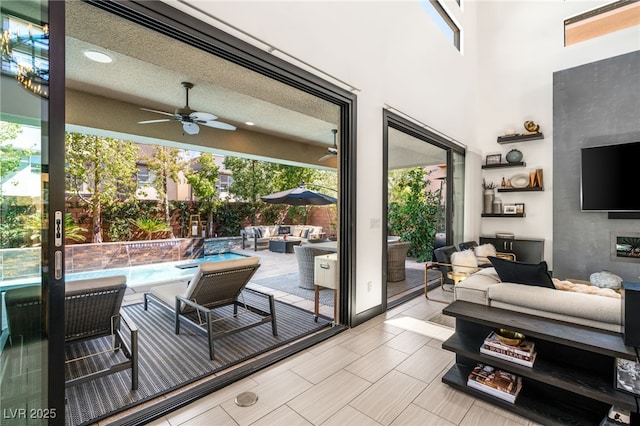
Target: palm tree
(150,225)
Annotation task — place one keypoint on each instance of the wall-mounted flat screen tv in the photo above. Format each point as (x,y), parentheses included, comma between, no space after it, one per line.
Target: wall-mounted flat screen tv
(610,177)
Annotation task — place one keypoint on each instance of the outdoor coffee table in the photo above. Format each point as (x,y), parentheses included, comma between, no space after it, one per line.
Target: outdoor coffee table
(279,245)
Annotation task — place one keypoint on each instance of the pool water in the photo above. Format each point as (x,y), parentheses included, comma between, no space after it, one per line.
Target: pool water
(155,272)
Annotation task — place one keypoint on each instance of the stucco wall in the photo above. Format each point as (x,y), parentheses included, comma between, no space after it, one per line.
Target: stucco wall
(594,104)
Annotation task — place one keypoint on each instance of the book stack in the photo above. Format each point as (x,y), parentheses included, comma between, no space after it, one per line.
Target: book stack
(523,353)
(498,383)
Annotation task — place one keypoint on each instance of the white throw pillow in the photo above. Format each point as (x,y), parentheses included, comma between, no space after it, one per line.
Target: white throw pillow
(485,250)
(464,261)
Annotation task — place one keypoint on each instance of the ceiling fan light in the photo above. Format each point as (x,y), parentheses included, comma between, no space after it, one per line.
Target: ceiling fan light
(96,56)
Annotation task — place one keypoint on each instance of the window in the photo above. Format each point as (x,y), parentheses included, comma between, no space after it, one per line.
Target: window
(604,20)
(143,177)
(223,183)
(444,21)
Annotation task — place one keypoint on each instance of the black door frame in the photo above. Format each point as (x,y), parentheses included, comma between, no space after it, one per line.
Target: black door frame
(390,119)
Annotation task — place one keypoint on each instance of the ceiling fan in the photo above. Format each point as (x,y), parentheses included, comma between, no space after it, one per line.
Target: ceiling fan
(332,151)
(188,117)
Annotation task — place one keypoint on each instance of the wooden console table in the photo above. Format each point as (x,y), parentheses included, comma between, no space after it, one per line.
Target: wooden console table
(572,379)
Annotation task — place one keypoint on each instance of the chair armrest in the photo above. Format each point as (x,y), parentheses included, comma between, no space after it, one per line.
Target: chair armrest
(433,265)
(507,256)
(253,290)
(128,322)
(191,303)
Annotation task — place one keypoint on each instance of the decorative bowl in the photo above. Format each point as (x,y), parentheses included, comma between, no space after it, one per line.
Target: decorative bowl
(509,337)
(520,181)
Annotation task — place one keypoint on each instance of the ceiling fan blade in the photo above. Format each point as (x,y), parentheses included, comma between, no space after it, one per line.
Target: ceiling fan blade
(190,128)
(326,157)
(218,125)
(158,112)
(162,120)
(202,116)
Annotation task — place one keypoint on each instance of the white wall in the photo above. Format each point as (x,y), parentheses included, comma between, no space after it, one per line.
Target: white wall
(520,46)
(394,54)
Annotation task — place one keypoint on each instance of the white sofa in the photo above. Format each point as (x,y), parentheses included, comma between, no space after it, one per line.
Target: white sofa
(259,236)
(484,287)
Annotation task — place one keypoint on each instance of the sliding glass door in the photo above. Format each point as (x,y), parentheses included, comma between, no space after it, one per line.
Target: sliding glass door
(29,347)
(424,174)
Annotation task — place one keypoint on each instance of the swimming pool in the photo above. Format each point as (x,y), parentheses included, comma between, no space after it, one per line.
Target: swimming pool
(155,272)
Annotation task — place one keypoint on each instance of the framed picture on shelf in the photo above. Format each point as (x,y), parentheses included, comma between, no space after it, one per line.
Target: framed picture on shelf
(627,376)
(509,209)
(520,208)
(493,159)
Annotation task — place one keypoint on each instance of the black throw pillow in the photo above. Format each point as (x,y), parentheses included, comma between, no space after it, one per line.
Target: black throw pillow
(522,273)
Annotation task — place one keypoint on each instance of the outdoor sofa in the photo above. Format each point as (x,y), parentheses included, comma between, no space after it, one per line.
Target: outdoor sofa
(259,236)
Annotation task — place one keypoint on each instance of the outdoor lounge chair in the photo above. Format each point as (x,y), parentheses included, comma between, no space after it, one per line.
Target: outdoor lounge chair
(215,284)
(92,310)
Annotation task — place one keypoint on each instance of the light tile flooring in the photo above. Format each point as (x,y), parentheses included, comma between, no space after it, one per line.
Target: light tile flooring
(386,371)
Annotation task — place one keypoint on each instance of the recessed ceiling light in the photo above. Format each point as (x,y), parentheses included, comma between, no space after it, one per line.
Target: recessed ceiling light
(249,123)
(96,56)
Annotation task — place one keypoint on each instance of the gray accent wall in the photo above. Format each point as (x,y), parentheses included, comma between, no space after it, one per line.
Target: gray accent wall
(593,104)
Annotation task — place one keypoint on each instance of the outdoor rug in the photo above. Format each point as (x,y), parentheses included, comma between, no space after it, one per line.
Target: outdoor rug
(168,361)
(289,284)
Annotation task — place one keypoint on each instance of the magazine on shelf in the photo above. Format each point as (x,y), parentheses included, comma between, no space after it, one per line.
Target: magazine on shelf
(495,382)
(509,356)
(526,348)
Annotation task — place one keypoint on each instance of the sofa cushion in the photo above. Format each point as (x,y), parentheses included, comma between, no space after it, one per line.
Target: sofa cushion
(561,305)
(522,273)
(474,289)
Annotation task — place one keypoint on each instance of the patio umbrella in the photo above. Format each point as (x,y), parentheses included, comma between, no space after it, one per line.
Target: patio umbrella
(299,196)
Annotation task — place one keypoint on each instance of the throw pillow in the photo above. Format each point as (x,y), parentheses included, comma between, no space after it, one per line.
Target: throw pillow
(485,250)
(464,261)
(522,273)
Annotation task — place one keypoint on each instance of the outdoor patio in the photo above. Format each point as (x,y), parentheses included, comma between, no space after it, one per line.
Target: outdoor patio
(278,275)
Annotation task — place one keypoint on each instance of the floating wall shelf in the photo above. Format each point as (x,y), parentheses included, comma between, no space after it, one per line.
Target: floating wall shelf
(520,138)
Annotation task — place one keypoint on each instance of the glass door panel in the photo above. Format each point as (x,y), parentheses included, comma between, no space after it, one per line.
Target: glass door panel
(23,230)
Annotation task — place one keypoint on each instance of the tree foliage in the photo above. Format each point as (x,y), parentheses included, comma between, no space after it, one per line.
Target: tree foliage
(10,156)
(251,179)
(99,171)
(203,182)
(413,211)
(165,164)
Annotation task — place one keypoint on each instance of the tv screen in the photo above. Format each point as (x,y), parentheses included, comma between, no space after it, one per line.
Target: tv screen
(609,178)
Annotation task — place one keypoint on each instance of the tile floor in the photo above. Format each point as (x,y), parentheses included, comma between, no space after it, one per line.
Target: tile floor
(384,372)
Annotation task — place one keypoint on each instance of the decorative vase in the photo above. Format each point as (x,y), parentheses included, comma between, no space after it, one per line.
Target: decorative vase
(496,205)
(488,200)
(514,156)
